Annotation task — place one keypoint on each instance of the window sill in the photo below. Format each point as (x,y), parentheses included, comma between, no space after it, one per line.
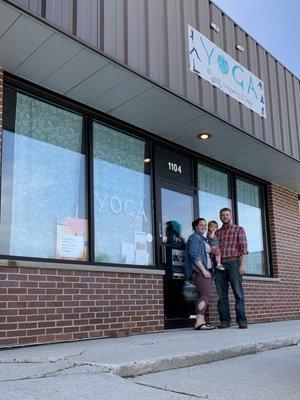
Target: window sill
(261,279)
(78,267)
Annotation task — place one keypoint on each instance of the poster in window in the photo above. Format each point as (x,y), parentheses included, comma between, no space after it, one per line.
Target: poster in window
(71,240)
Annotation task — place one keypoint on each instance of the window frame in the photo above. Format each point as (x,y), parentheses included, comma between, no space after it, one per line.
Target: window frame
(91,115)
(91,190)
(233,176)
(264,220)
(32,94)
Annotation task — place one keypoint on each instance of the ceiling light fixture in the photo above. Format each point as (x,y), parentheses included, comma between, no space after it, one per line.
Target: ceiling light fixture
(204,136)
(147,159)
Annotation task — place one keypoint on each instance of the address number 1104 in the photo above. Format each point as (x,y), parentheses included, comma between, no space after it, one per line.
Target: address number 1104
(174,167)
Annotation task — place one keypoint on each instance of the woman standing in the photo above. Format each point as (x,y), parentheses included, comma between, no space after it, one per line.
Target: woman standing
(197,269)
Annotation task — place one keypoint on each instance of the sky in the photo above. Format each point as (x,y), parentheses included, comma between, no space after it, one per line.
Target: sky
(275,24)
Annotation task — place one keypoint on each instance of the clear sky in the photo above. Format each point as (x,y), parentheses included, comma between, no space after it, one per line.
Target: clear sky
(275,24)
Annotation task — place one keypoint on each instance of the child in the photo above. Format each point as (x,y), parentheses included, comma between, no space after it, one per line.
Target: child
(214,243)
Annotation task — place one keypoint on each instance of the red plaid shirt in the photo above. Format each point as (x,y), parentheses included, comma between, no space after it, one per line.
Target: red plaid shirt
(233,241)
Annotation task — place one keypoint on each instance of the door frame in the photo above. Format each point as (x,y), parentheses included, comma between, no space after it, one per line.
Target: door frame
(163,184)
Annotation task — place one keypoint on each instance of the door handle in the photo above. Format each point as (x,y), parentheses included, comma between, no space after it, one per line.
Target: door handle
(160,230)
(163,254)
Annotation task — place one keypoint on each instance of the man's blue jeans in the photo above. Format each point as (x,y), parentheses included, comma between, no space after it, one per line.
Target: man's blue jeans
(222,280)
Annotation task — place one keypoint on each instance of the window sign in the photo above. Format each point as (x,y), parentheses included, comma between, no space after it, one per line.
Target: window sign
(173,166)
(215,66)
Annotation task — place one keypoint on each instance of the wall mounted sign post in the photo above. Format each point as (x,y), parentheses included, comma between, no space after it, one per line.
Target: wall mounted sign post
(215,66)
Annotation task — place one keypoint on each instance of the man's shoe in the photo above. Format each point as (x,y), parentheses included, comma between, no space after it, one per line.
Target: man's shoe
(223,325)
(243,325)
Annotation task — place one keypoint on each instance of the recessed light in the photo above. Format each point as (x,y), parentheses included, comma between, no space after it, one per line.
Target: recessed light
(147,159)
(204,136)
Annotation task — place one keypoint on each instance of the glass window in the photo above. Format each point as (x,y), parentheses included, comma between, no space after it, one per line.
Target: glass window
(122,198)
(43,201)
(250,217)
(214,193)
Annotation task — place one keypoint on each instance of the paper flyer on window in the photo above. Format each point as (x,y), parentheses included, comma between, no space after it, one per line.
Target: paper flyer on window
(127,253)
(71,239)
(140,241)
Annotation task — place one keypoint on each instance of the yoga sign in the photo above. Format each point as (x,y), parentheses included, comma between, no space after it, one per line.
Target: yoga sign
(215,66)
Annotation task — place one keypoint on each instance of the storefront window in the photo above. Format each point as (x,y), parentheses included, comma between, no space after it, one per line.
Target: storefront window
(43,186)
(250,216)
(213,192)
(43,190)
(122,198)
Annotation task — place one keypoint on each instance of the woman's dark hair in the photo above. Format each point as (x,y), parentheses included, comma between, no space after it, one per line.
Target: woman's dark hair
(196,222)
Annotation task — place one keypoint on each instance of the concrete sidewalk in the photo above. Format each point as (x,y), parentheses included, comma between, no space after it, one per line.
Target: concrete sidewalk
(141,354)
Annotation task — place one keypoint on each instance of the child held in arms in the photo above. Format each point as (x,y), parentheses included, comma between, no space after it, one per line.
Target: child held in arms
(214,243)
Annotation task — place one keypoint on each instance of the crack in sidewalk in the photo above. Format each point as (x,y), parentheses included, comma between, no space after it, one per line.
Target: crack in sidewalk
(50,374)
(41,361)
(66,358)
(171,391)
(46,375)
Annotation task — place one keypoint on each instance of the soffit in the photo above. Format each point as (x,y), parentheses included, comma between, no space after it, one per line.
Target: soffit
(42,54)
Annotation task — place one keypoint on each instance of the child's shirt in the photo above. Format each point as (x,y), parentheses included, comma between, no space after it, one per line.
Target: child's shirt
(214,244)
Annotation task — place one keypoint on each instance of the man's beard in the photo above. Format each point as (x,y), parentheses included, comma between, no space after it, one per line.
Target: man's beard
(226,223)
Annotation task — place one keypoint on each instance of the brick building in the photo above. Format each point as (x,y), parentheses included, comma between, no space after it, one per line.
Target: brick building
(104,111)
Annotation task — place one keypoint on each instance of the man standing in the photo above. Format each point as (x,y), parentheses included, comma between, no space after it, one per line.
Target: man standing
(233,258)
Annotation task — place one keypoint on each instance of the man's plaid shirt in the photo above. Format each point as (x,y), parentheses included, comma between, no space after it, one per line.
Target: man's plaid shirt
(233,241)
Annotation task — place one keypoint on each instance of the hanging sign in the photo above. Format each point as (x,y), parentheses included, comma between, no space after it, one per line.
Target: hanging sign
(215,66)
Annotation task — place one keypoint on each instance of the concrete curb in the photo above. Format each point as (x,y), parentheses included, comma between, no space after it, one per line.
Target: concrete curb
(137,368)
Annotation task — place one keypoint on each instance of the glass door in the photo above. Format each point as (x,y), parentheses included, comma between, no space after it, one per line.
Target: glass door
(175,215)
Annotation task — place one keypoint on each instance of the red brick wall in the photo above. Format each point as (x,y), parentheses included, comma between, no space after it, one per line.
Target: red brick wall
(47,305)
(274,301)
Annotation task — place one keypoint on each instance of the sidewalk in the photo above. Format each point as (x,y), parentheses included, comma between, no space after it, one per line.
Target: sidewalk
(141,354)
(94,369)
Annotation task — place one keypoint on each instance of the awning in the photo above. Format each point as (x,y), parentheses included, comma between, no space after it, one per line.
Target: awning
(36,50)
